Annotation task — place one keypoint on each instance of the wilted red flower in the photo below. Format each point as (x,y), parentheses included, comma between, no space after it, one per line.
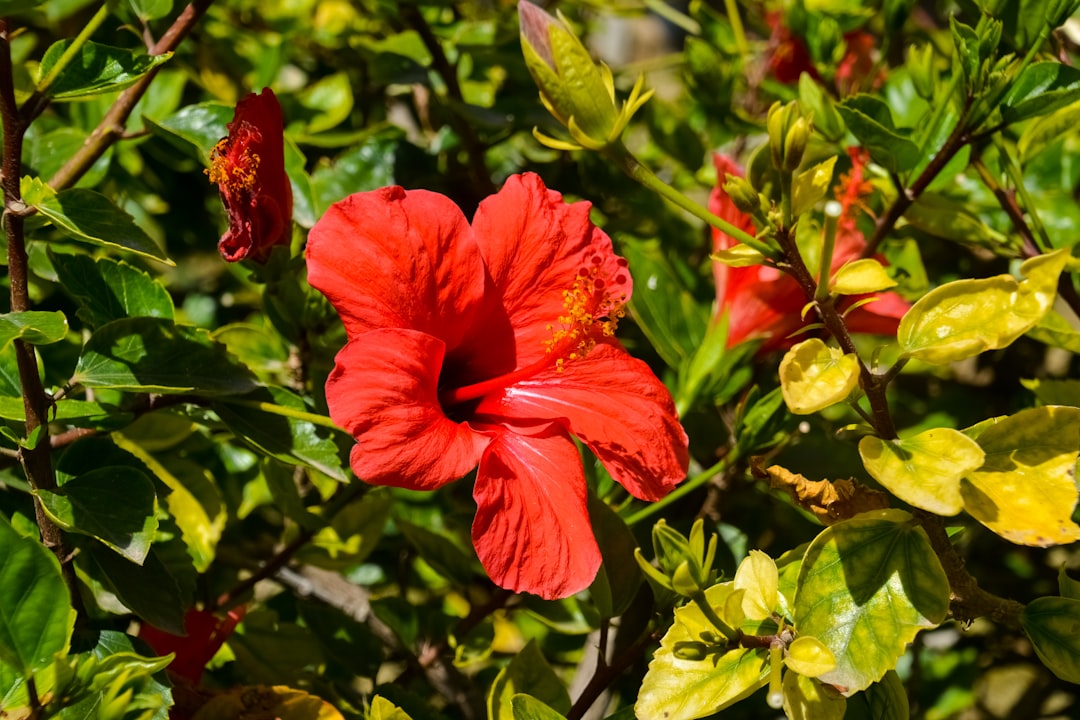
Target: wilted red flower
(249,167)
(206,633)
(492,344)
(763,302)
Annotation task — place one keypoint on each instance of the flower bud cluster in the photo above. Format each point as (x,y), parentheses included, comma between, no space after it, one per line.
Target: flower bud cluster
(789,131)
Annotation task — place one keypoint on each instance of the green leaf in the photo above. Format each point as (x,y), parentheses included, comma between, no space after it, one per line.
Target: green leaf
(154,590)
(92,217)
(526,707)
(37,617)
(12,7)
(201,526)
(154,355)
(739,255)
(71,411)
(1041,132)
(672,320)
(944,217)
(807,699)
(887,699)
(1067,586)
(966,42)
(859,277)
(811,186)
(870,120)
(36,327)
(527,672)
(195,129)
(329,100)
(439,551)
(150,9)
(116,505)
(866,587)
(692,674)
(618,579)
(292,441)
(95,69)
(1026,491)
(1041,88)
(966,317)
(107,289)
(1053,626)
(352,535)
(383,709)
(814,376)
(925,470)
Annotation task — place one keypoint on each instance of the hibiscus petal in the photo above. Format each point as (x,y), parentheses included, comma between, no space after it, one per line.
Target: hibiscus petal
(615,404)
(534,245)
(532,531)
(398,258)
(384,390)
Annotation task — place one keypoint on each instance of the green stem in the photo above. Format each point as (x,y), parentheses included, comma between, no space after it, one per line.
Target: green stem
(73,49)
(832,220)
(732,8)
(685,489)
(673,16)
(731,634)
(289,412)
(632,167)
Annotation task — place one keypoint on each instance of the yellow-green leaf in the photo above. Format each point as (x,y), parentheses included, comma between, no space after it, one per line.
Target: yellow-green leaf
(807,699)
(811,186)
(1053,625)
(1026,491)
(814,376)
(758,578)
(966,317)
(862,276)
(1067,586)
(278,701)
(383,709)
(867,586)
(808,656)
(740,255)
(925,470)
(691,675)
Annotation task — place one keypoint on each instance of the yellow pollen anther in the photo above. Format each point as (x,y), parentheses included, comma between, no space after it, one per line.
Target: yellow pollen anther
(591,311)
(236,171)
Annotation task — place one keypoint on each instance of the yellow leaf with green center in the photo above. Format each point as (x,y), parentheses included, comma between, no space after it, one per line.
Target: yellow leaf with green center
(758,578)
(808,656)
(814,376)
(867,586)
(807,699)
(811,186)
(740,255)
(964,318)
(1053,625)
(1025,491)
(693,674)
(859,277)
(924,470)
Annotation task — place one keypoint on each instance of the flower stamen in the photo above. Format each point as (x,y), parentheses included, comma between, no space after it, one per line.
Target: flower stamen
(592,306)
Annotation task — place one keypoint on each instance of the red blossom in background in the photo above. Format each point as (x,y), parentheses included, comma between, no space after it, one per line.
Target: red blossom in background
(763,302)
(492,345)
(249,167)
(206,633)
(789,57)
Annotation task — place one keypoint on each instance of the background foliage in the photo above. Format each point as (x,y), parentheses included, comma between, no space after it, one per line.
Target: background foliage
(189,468)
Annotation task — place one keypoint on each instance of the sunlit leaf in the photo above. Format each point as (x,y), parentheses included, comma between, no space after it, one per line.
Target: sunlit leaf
(867,586)
(278,702)
(861,276)
(966,317)
(383,709)
(692,675)
(1026,490)
(526,707)
(870,120)
(924,470)
(1041,88)
(738,255)
(810,186)
(1053,625)
(37,618)
(1041,132)
(814,376)
(808,656)
(759,580)
(107,289)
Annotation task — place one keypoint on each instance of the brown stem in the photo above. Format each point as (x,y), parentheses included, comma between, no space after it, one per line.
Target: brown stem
(885,224)
(968,600)
(36,456)
(606,674)
(111,127)
(872,384)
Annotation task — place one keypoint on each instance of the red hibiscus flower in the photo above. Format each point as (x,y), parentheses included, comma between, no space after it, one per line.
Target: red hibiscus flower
(249,168)
(206,633)
(491,345)
(763,302)
(788,56)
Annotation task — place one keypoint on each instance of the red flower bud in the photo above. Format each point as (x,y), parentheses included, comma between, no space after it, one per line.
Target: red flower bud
(249,167)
